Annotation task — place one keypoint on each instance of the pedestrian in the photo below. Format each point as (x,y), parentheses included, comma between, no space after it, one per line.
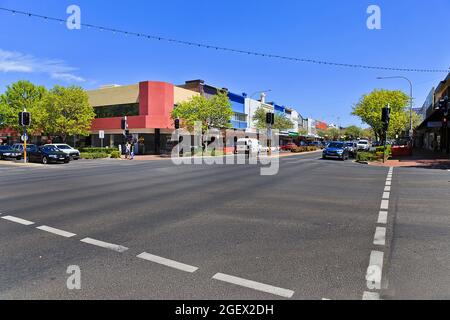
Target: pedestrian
(127,150)
(132,152)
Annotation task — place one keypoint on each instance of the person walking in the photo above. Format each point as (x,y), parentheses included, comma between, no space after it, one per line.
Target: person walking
(127,150)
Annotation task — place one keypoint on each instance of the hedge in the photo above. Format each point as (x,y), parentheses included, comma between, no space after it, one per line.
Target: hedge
(97,155)
(304,149)
(98,150)
(115,154)
(366,156)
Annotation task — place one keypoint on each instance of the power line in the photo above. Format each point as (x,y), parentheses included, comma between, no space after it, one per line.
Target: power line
(213,47)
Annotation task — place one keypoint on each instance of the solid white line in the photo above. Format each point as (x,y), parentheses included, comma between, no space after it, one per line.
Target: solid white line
(375,270)
(371,296)
(384,204)
(388,183)
(105,245)
(18,220)
(167,262)
(386,195)
(254,285)
(382,218)
(380,237)
(387,189)
(58,232)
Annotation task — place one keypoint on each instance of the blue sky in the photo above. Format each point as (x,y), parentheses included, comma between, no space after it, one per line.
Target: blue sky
(414,34)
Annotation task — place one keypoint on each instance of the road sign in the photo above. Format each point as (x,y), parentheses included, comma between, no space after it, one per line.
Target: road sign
(101,134)
(24,137)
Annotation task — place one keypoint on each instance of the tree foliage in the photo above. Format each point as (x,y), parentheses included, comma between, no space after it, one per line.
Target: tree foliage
(68,112)
(282,122)
(370,107)
(214,112)
(354,132)
(19,96)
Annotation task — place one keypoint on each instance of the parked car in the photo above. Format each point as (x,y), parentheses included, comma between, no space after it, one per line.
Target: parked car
(289,147)
(336,150)
(247,146)
(352,148)
(363,145)
(317,144)
(47,154)
(73,153)
(7,152)
(19,147)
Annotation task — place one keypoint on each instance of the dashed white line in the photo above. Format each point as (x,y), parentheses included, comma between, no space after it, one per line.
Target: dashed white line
(254,285)
(105,245)
(18,220)
(384,204)
(167,262)
(387,189)
(371,296)
(386,195)
(380,237)
(58,232)
(375,270)
(388,183)
(382,218)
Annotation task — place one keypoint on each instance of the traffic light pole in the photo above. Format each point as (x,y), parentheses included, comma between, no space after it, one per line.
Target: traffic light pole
(25,144)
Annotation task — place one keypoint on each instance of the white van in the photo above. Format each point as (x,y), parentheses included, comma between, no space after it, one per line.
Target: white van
(247,146)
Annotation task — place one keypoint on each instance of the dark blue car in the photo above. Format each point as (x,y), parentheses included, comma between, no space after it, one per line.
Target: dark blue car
(336,150)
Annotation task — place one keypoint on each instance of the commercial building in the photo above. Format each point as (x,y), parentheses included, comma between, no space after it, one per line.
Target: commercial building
(147,106)
(434,132)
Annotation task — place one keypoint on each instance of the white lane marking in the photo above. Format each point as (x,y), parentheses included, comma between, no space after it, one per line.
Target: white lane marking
(388,183)
(167,262)
(325,299)
(18,220)
(386,195)
(389,179)
(380,237)
(382,218)
(58,232)
(387,189)
(385,204)
(375,270)
(371,296)
(254,285)
(105,245)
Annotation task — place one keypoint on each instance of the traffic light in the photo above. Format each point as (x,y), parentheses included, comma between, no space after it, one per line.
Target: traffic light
(177,124)
(124,124)
(24,119)
(270,118)
(386,117)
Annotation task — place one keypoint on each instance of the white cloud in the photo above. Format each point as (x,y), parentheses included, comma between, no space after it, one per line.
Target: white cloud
(11,61)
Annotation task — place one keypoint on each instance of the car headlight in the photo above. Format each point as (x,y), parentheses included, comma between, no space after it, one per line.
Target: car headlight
(340,151)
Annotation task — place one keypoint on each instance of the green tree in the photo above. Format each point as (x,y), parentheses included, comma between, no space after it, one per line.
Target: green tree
(354,132)
(19,96)
(68,112)
(334,133)
(214,112)
(370,107)
(282,122)
(303,132)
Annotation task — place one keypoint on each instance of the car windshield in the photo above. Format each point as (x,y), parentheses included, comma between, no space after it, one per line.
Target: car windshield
(50,149)
(335,145)
(362,142)
(63,147)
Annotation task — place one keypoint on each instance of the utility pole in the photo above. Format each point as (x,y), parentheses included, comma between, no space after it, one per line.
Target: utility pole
(385,118)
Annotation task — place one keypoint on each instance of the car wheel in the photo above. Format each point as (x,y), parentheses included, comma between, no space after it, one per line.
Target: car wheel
(44,160)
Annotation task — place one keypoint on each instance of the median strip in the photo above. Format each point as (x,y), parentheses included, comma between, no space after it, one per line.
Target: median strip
(168,263)
(58,232)
(105,245)
(254,285)
(18,220)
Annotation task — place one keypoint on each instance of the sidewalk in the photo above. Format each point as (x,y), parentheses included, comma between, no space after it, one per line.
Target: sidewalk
(167,157)
(419,159)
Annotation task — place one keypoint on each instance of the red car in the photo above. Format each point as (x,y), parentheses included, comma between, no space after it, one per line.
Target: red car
(289,147)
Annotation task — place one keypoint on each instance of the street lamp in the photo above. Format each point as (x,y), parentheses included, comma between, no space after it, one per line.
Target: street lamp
(411,100)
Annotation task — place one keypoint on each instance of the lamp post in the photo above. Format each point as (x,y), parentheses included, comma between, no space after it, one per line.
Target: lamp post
(411,100)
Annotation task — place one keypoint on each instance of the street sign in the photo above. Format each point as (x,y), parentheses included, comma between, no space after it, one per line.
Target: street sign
(434,124)
(101,134)
(24,137)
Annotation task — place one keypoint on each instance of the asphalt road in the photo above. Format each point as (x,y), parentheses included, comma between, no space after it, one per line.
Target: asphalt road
(222,231)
